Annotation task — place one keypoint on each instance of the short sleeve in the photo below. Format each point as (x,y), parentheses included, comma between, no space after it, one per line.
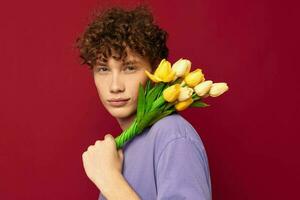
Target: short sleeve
(182,171)
(101,197)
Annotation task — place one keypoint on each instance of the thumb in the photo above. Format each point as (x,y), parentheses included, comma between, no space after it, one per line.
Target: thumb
(121,155)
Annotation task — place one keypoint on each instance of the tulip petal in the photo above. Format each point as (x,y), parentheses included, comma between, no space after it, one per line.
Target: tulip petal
(169,77)
(203,88)
(163,69)
(182,105)
(194,78)
(185,93)
(181,67)
(217,89)
(188,68)
(171,93)
(153,77)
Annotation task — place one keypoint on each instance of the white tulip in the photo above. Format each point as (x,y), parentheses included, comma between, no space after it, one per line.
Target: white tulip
(181,67)
(185,93)
(217,89)
(203,88)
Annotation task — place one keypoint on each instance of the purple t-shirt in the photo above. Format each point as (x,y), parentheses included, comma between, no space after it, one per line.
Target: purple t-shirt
(167,161)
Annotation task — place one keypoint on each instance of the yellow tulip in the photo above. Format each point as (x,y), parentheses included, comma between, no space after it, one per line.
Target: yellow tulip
(185,93)
(163,72)
(171,93)
(181,67)
(217,89)
(194,78)
(182,105)
(203,88)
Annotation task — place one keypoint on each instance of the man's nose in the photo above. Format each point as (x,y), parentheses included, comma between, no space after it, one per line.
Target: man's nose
(116,84)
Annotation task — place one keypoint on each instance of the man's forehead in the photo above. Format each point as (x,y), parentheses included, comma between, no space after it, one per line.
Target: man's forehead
(128,57)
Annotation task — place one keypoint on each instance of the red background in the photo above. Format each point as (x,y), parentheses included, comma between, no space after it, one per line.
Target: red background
(50,111)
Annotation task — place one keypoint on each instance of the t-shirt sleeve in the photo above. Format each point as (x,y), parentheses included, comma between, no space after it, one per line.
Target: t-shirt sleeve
(183,172)
(101,197)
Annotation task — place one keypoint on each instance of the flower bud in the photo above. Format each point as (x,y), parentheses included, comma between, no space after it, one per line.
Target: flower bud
(194,78)
(182,105)
(217,89)
(203,88)
(163,72)
(185,93)
(171,93)
(181,67)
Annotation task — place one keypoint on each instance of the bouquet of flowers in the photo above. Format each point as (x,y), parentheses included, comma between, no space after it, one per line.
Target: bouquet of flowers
(170,89)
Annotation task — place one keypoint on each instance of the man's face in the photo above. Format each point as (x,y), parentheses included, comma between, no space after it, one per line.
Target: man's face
(117,79)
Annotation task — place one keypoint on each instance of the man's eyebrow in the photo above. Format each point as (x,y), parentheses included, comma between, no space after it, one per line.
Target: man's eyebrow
(130,62)
(125,63)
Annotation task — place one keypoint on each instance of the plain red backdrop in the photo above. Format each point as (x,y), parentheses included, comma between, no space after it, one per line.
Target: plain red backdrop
(50,111)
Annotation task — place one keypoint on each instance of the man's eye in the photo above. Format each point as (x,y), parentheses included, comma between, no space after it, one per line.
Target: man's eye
(102,69)
(130,68)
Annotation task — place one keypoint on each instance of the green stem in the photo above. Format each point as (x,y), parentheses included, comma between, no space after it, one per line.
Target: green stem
(169,105)
(127,135)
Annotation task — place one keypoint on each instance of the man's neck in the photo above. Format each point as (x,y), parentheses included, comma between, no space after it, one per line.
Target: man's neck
(126,122)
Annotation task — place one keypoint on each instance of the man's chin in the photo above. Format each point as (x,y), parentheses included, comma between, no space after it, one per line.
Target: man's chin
(120,112)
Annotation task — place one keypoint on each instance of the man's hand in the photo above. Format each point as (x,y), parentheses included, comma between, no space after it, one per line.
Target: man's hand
(102,162)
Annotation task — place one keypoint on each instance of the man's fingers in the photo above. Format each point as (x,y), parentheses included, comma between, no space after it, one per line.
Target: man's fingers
(110,139)
(84,155)
(90,148)
(84,158)
(108,136)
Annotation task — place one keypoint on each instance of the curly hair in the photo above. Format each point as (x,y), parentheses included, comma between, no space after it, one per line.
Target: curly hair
(116,28)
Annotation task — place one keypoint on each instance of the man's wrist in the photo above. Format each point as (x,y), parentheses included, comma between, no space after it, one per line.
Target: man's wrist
(112,184)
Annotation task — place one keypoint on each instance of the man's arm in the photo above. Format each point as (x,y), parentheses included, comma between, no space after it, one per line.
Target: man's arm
(119,189)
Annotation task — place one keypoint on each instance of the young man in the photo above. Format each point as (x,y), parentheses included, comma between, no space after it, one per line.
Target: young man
(168,159)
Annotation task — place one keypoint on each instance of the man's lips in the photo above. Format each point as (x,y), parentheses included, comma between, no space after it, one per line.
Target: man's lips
(118,102)
(118,99)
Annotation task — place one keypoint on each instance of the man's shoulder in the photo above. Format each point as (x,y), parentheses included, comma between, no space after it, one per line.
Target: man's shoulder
(174,123)
(174,131)
(172,127)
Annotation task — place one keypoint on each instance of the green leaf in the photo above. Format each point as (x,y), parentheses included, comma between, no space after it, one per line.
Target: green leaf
(147,90)
(198,104)
(153,95)
(162,115)
(141,102)
(159,90)
(148,118)
(160,101)
(163,87)
(148,87)
(150,92)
